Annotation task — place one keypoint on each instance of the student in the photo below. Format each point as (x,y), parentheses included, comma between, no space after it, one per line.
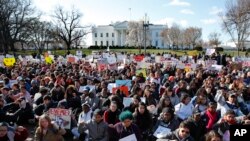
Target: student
(185,108)
(8,134)
(213,136)
(48,131)
(180,134)
(126,127)
(167,119)
(98,129)
(84,116)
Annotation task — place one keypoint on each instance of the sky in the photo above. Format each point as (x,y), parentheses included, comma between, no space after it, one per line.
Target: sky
(186,13)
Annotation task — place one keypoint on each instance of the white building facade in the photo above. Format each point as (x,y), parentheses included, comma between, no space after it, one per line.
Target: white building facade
(115,35)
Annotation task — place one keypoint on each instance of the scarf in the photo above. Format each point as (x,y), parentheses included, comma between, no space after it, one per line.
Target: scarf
(212,118)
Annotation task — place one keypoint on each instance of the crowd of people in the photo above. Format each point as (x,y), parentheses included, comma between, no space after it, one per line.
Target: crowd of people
(168,103)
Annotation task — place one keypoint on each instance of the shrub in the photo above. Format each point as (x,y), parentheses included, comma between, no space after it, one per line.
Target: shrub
(198,48)
(219,49)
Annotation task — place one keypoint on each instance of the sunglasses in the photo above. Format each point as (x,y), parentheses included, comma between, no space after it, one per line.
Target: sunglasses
(184,131)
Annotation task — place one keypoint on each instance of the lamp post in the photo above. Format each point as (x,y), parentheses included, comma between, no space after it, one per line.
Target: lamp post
(145,27)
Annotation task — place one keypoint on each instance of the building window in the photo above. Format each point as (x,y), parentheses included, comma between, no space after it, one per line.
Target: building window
(95,34)
(107,34)
(107,43)
(113,34)
(113,43)
(156,34)
(156,43)
(101,35)
(96,43)
(162,43)
(101,43)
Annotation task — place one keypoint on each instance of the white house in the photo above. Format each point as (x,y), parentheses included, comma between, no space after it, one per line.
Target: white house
(115,34)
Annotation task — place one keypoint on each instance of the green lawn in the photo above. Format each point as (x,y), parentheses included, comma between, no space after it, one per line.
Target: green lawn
(155,51)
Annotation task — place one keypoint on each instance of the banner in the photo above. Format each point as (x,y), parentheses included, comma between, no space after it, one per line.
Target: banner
(71,59)
(79,53)
(123,89)
(123,83)
(210,51)
(209,63)
(121,57)
(48,60)
(127,101)
(138,58)
(143,65)
(9,62)
(62,117)
(111,60)
(246,64)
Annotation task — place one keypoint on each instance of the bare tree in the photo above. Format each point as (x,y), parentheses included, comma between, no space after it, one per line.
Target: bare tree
(165,36)
(68,27)
(135,35)
(192,35)
(214,39)
(236,21)
(40,34)
(14,16)
(175,35)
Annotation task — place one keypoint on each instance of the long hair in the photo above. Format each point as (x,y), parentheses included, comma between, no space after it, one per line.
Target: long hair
(47,118)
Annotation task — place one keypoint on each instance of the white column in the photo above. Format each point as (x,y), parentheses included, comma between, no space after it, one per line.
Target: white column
(122,38)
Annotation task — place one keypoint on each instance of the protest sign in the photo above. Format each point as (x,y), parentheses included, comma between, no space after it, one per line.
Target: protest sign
(123,89)
(161,132)
(79,53)
(12,82)
(48,60)
(111,86)
(71,59)
(209,63)
(81,89)
(143,65)
(246,64)
(62,117)
(9,62)
(138,58)
(111,60)
(131,137)
(20,57)
(159,59)
(210,51)
(123,83)
(120,57)
(127,101)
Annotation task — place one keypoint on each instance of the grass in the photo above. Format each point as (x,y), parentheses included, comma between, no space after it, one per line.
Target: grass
(136,51)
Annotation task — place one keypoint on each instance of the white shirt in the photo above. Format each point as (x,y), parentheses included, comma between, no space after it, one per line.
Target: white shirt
(184,111)
(85,117)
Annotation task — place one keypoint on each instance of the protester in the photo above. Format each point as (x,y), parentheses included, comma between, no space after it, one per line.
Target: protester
(180,134)
(126,127)
(213,136)
(185,88)
(98,129)
(48,131)
(142,116)
(8,133)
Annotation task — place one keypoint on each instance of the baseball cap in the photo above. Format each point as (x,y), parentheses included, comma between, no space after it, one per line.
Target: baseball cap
(86,104)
